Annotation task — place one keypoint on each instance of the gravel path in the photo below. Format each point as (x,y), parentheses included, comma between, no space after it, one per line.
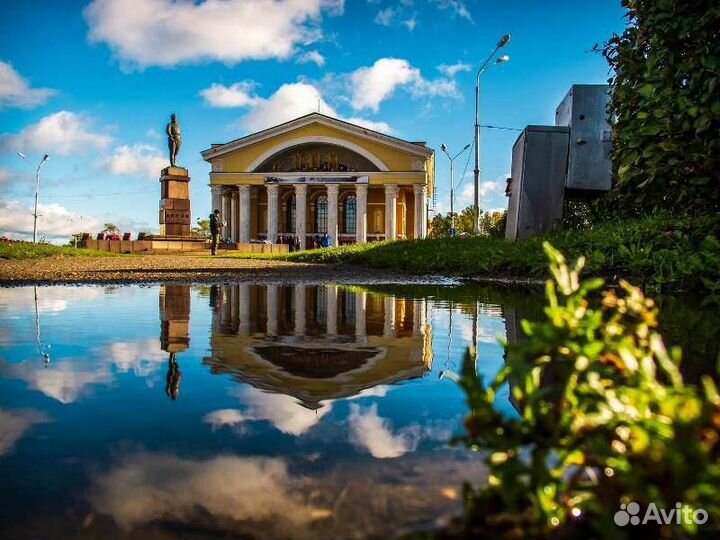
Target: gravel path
(155,268)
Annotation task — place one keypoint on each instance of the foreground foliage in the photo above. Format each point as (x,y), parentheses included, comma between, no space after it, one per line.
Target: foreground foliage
(666,106)
(657,252)
(27,250)
(604,418)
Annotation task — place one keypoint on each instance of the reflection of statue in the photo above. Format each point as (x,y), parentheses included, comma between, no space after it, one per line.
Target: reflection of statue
(172,384)
(174,138)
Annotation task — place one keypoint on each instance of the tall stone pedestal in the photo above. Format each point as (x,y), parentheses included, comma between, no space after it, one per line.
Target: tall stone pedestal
(174,318)
(174,202)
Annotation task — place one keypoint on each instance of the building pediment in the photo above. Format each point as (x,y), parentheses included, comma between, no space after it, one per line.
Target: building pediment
(368,148)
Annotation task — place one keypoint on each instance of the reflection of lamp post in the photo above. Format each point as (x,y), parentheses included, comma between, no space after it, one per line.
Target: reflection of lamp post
(45,355)
(501,60)
(444,148)
(37,190)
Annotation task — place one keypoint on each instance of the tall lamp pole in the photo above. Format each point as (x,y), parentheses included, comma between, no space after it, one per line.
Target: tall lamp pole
(37,190)
(502,59)
(444,148)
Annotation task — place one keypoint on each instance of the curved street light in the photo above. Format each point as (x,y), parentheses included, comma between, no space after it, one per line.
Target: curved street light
(445,150)
(484,67)
(37,190)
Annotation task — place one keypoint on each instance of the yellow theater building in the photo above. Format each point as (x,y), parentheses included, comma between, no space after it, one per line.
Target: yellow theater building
(315,175)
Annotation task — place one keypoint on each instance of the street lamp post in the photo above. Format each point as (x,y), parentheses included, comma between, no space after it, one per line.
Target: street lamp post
(444,148)
(504,58)
(37,190)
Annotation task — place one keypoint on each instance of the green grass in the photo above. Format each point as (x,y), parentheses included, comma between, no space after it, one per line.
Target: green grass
(27,250)
(658,251)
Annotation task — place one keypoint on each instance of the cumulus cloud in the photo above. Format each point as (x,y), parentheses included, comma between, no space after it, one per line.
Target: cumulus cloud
(371,85)
(281,410)
(385,16)
(146,487)
(225,417)
(62,133)
(293,100)
(15,91)
(373,433)
(312,57)
(166,33)
(63,381)
(54,221)
(139,159)
(240,94)
(14,424)
(450,70)
(143,358)
(50,300)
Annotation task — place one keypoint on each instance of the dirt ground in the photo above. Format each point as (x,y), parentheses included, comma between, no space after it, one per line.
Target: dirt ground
(197,267)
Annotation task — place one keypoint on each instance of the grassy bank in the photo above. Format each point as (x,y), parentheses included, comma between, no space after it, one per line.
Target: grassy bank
(659,252)
(27,250)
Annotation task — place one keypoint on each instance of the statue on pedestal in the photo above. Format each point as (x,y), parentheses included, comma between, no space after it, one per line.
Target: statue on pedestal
(174,138)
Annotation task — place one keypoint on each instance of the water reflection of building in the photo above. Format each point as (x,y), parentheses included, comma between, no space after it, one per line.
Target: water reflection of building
(174,331)
(317,343)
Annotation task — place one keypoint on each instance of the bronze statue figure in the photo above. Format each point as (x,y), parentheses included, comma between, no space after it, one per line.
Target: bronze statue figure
(174,138)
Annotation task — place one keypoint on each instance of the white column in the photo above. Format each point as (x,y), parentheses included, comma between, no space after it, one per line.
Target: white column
(333,190)
(391,193)
(272,212)
(244,305)
(226,213)
(361,195)
(389,328)
(216,198)
(271,301)
(360,321)
(234,215)
(244,215)
(300,211)
(418,317)
(420,211)
(331,309)
(300,309)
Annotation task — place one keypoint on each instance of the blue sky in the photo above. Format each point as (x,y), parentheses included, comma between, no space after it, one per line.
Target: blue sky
(93,85)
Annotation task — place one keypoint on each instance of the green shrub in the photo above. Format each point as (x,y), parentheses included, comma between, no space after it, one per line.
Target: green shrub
(604,418)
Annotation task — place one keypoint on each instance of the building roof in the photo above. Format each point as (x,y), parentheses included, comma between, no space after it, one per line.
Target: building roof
(217,150)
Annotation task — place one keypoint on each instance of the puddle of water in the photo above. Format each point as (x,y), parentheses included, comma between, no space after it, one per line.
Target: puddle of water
(275,411)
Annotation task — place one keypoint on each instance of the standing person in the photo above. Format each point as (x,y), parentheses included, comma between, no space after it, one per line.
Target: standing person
(215,224)
(325,240)
(297,243)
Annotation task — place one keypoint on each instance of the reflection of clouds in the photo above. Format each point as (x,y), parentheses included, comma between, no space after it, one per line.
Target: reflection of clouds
(63,381)
(225,417)
(14,424)
(148,486)
(282,411)
(143,358)
(50,299)
(372,432)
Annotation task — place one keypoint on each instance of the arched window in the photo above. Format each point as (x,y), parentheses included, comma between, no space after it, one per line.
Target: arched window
(290,213)
(321,214)
(350,214)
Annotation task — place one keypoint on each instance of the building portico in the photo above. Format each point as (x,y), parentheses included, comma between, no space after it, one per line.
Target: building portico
(317,175)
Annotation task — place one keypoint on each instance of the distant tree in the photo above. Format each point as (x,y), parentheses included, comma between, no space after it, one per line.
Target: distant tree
(202,228)
(110,228)
(493,224)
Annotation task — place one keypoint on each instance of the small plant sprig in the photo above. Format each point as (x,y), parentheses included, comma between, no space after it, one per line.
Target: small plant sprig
(604,418)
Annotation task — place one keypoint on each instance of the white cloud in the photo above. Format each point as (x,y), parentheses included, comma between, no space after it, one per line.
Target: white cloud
(146,487)
(282,411)
(450,70)
(62,133)
(465,196)
(240,94)
(458,7)
(14,424)
(63,381)
(312,57)
(410,23)
(50,300)
(54,221)
(225,417)
(371,85)
(138,159)
(15,91)
(166,33)
(293,100)
(385,16)
(143,358)
(373,433)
